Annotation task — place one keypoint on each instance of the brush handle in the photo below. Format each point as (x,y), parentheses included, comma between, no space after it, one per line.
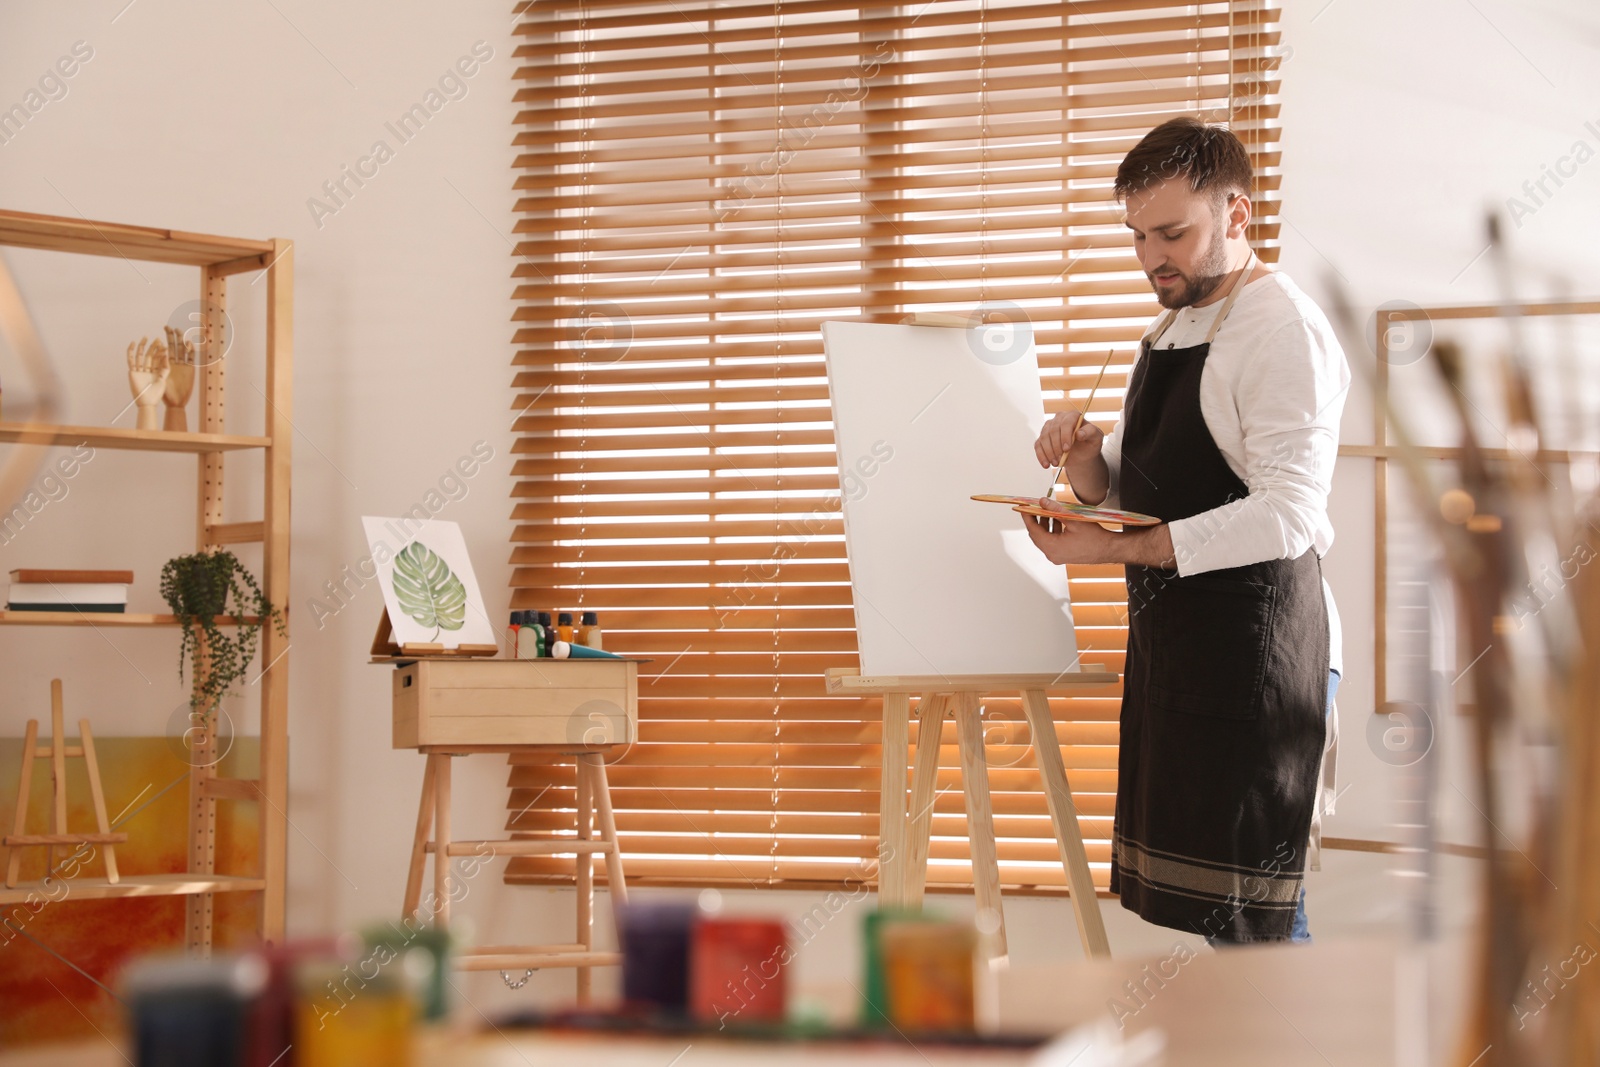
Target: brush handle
(1087,404)
(1055,477)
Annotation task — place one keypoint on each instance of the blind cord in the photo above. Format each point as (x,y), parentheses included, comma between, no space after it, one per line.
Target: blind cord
(777,573)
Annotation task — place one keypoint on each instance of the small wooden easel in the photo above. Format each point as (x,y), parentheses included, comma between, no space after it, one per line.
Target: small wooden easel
(903,839)
(57,753)
(384,646)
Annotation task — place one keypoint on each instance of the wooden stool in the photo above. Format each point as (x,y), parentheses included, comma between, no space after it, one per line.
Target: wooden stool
(57,754)
(450,705)
(904,836)
(594,798)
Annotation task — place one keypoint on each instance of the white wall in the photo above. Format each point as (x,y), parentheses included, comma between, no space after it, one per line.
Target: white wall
(228,120)
(1401,123)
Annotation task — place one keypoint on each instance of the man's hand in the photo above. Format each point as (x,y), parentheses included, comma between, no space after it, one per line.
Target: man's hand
(1087,542)
(1085,470)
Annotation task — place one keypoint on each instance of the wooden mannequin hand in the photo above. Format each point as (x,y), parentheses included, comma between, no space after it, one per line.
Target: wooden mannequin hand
(182,364)
(148,370)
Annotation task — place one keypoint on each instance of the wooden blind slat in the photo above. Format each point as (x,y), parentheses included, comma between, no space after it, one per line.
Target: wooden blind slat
(828,709)
(1181,20)
(925,62)
(699,801)
(806,84)
(636,823)
(627,774)
(748,872)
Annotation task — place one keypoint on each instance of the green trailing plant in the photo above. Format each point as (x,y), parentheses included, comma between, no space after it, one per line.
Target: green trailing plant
(198,589)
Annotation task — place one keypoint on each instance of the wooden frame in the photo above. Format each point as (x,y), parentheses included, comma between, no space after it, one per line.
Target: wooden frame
(1381,451)
(218,259)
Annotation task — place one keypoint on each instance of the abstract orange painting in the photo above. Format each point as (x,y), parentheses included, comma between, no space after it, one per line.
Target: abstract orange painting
(57,954)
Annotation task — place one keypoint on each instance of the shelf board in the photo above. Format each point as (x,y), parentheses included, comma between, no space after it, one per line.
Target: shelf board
(101,618)
(22,433)
(134,885)
(58,234)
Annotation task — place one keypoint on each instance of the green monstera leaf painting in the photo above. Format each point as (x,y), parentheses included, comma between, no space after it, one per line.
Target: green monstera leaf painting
(427,589)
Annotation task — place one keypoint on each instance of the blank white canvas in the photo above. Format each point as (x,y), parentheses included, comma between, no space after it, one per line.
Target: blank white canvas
(943,585)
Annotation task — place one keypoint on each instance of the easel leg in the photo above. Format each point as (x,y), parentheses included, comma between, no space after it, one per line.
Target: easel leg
(419,845)
(97,793)
(585,861)
(441,841)
(19,820)
(1053,773)
(980,815)
(932,710)
(892,799)
(58,773)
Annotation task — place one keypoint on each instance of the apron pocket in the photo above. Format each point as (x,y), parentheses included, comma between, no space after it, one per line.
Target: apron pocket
(1209,653)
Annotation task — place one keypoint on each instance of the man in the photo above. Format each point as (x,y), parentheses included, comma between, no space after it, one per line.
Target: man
(1228,435)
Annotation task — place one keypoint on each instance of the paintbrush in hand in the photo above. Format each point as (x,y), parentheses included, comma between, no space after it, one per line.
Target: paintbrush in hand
(1055,476)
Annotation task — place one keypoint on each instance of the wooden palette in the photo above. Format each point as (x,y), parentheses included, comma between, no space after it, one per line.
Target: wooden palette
(1029,505)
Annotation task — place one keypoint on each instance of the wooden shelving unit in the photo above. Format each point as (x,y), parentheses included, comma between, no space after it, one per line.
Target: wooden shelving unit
(217,258)
(144,885)
(131,440)
(99,618)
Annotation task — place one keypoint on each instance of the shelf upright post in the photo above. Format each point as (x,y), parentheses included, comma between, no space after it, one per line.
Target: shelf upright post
(274,785)
(208,513)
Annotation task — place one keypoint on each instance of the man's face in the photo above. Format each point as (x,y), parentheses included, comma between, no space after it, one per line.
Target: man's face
(1179,236)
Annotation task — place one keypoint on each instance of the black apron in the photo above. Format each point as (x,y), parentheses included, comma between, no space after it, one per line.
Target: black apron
(1224,688)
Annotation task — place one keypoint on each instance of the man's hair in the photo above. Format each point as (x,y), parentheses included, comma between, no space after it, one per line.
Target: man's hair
(1211,158)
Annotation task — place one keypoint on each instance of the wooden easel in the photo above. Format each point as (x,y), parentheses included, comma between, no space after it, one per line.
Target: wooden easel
(384,646)
(58,753)
(904,838)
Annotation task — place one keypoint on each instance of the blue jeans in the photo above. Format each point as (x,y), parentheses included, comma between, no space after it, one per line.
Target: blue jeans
(1301,933)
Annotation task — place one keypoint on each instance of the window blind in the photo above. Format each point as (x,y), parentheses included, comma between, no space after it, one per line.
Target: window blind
(701,185)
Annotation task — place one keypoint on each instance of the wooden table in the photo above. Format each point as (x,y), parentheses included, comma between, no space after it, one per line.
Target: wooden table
(553,710)
(1333,1004)
(549,1050)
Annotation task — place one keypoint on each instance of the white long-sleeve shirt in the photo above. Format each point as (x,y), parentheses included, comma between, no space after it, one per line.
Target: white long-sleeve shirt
(1271,394)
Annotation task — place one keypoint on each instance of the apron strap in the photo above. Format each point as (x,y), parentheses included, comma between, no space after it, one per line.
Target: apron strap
(1161,326)
(1227,305)
(1233,295)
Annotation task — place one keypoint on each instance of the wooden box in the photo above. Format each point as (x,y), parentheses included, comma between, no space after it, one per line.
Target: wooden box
(515,702)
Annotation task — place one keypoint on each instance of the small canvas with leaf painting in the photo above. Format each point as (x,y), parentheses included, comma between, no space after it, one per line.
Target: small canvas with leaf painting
(429,588)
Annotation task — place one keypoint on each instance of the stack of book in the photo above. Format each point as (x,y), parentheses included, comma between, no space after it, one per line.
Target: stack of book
(45,590)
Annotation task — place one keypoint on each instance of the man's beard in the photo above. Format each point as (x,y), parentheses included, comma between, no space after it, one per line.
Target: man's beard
(1212,269)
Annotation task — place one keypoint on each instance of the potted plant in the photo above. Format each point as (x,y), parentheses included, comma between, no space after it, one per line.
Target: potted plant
(198,589)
